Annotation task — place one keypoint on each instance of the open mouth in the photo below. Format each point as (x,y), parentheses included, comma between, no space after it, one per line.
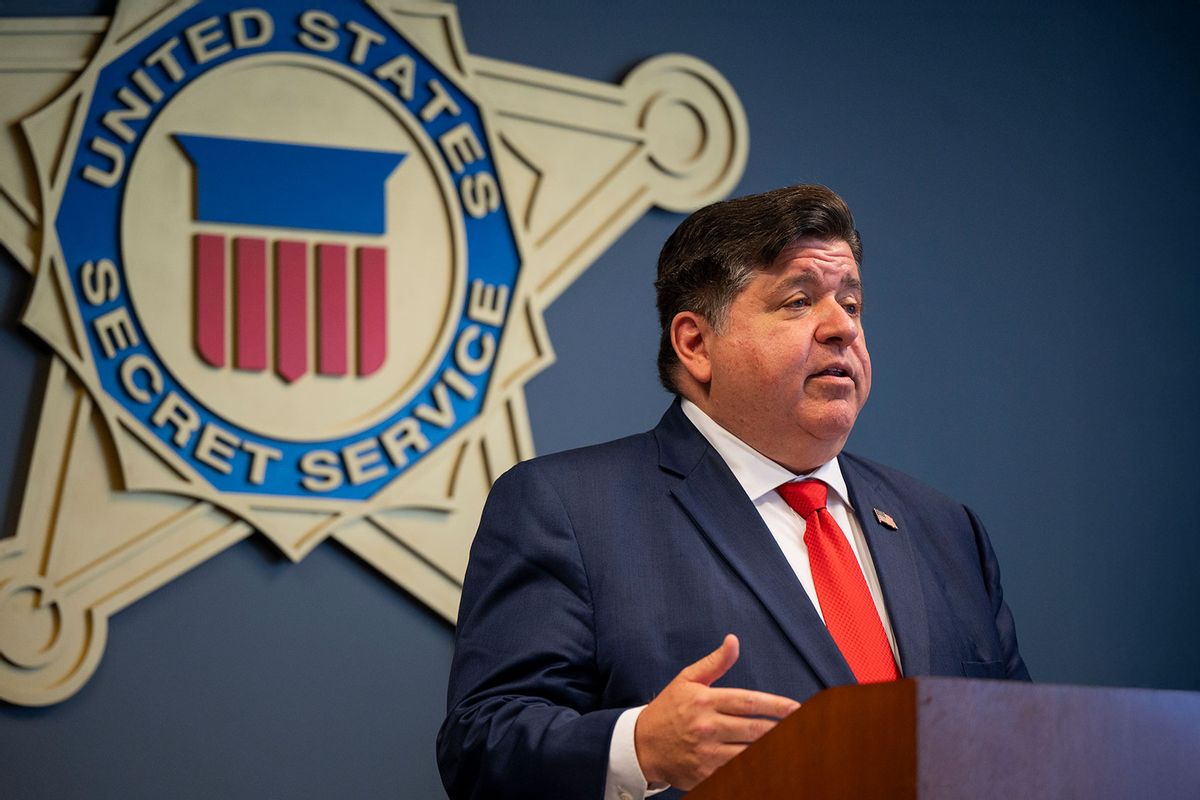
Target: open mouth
(832,372)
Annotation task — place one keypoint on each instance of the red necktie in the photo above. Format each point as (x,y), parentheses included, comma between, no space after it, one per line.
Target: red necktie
(850,613)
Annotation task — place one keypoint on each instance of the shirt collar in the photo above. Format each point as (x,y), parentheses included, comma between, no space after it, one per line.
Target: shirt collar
(757,474)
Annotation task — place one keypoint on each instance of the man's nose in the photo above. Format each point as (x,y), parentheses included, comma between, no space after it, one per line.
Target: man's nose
(836,323)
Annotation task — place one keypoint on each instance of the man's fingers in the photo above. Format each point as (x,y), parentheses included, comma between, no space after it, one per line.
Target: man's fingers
(690,729)
(747,703)
(742,730)
(713,665)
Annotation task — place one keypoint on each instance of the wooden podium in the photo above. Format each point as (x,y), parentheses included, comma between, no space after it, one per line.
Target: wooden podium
(937,738)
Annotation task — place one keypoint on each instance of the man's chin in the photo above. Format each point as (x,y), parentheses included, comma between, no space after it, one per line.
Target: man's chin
(833,421)
(814,443)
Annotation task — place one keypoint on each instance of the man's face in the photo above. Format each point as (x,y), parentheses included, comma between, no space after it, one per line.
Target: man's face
(790,368)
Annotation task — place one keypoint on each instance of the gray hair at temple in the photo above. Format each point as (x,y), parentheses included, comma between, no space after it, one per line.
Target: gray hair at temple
(715,252)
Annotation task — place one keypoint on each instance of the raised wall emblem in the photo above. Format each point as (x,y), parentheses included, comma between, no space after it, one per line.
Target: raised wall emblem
(292,260)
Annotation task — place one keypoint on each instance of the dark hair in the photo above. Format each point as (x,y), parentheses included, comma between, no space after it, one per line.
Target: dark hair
(715,252)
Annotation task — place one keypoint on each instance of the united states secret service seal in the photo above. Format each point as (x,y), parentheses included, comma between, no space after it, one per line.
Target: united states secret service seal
(326,353)
(291,260)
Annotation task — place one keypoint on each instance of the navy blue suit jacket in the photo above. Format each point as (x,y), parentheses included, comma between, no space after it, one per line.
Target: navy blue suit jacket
(599,573)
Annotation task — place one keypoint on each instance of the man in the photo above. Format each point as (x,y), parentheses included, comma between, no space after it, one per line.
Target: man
(601,578)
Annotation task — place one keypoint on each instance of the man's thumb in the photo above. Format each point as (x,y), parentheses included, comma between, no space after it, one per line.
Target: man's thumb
(715,664)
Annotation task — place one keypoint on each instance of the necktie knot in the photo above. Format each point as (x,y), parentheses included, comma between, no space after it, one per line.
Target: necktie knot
(805,497)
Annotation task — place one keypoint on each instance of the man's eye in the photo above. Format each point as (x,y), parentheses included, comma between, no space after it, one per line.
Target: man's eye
(853,308)
(798,302)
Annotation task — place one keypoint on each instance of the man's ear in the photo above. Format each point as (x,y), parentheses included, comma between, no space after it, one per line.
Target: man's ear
(690,336)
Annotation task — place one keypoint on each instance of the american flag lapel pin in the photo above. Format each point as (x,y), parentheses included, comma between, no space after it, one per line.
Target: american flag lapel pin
(885,519)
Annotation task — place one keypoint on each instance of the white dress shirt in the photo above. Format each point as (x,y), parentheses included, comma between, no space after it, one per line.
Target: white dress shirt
(758,476)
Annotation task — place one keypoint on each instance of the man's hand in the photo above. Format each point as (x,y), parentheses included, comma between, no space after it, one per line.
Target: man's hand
(690,729)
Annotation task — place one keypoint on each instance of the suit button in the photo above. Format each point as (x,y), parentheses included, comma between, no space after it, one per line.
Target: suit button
(624,795)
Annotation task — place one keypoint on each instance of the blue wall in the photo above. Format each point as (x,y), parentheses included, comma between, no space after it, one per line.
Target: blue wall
(1027,182)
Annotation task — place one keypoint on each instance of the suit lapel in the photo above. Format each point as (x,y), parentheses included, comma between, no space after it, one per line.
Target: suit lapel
(715,501)
(895,563)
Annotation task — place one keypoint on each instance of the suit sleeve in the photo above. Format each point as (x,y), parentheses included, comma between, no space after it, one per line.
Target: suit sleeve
(523,702)
(1006,631)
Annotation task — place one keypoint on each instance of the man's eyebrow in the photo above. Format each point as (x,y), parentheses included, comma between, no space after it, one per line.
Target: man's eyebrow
(810,277)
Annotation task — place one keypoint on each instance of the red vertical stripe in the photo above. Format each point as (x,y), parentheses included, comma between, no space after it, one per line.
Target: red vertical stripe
(331,309)
(372,309)
(250,303)
(210,298)
(291,310)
